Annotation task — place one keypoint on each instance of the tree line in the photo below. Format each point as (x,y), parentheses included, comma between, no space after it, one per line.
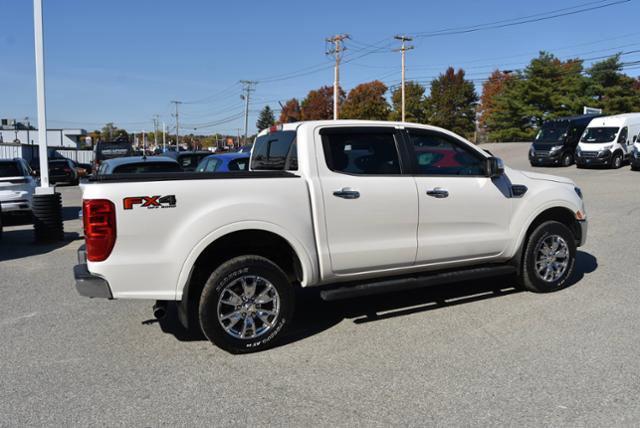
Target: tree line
(511,107)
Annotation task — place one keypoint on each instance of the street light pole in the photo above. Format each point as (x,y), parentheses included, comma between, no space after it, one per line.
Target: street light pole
(46,203)
(40,93)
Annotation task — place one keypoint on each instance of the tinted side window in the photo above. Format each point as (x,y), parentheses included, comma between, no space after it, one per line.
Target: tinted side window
(365,152)
(439,154)
(239,164)
(622,139)
(270,151)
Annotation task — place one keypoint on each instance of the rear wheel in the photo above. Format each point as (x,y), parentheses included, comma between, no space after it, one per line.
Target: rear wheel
(549,258)
(246,305)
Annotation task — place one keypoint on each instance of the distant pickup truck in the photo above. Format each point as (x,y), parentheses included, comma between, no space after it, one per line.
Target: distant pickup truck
(353,207)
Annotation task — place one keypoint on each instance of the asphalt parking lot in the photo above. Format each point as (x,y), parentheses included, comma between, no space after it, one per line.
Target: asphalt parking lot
(465,354)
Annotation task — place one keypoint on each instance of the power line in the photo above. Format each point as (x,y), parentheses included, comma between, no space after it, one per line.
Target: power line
(522,20)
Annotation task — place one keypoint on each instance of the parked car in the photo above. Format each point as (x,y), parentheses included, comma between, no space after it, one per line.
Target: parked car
(224,162)
(138,164)
(63,171)
(188,161)
(17,186)
(345,205)
(608,141)
(556,142)
(245,149)
(105,150)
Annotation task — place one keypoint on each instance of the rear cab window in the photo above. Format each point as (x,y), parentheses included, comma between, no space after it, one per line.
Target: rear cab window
(276,151)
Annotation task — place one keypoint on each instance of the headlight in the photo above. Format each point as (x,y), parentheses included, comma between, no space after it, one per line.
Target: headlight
(578,151)
(531,152)
(578,191)
(635,151)
(607,147)
(555,148)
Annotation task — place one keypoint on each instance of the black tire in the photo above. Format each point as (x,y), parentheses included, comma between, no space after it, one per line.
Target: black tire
(616,161)
(529,278)
(226,277)
(75,182)
(567,159)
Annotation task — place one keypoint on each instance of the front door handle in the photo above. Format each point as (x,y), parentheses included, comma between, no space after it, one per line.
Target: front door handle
(347,193)
(438,192)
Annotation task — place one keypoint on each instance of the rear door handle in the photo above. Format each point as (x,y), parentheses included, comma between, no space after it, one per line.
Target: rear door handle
(347,193)
(438,192)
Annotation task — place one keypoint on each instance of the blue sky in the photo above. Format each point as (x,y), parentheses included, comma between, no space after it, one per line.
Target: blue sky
(123,61)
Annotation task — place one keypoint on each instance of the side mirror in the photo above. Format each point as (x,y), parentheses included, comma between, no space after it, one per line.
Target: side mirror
(494,167)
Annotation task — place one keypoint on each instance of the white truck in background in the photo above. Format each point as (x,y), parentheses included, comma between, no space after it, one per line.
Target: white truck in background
(354,207)
(608,141)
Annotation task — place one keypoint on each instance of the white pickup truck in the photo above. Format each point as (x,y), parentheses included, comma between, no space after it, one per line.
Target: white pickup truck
(354,207)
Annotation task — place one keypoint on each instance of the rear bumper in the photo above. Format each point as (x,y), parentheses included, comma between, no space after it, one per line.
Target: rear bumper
(15,200)
(87,284)
(16,206)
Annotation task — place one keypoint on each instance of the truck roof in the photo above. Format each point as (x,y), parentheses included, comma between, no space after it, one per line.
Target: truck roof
(615,120)
(349,122)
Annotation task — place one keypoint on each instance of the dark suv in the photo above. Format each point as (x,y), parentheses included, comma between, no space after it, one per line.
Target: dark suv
(557,140)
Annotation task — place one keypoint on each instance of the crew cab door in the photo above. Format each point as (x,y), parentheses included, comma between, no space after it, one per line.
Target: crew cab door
(464,215)
(371,208)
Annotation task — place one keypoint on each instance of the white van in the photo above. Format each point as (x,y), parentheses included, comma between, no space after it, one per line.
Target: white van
(608,140)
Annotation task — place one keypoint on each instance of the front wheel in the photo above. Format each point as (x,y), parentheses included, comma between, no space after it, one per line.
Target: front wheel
(549,258)
(246,305)
(616,161)
(567,159)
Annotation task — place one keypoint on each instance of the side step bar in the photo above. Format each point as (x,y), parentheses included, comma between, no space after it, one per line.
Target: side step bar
(412,282)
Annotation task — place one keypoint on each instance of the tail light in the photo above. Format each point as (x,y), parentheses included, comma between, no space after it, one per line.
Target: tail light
(99,218)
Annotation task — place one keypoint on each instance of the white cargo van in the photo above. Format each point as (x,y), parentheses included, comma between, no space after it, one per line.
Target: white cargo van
(608,140)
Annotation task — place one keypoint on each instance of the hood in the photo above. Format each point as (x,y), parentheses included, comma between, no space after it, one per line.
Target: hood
(546,177)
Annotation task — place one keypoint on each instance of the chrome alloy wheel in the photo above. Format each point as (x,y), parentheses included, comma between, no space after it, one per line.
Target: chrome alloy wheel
(552,258)
(248,307)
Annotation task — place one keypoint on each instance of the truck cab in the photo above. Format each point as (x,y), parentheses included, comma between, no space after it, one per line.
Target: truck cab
(608,141)
(556,142)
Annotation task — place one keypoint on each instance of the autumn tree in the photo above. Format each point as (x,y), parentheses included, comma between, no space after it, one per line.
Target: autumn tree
(493,87)
(318,104)
(414,103)
(452,102)
(111,132)
(265,119)
(290,112)
(367,102)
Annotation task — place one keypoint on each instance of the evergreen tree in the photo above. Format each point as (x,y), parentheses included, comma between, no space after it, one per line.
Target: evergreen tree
(414,103)
(452,103)
(612,90)
(266,118)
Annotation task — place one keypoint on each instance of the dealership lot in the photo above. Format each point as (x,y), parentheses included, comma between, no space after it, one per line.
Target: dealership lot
(472,353)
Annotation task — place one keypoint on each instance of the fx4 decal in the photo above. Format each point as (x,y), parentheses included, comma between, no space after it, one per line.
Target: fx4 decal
(149,202)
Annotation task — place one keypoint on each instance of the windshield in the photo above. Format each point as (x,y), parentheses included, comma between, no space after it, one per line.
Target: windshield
(599,135)
(9,169)
(552,132)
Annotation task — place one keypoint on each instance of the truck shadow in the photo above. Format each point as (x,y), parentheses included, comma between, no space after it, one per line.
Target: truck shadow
(314,315)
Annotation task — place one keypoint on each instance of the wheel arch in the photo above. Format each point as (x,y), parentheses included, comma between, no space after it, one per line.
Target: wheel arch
(560,213)
(256,239)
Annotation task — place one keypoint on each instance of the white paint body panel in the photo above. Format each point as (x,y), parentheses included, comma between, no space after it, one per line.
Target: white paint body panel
(394,228)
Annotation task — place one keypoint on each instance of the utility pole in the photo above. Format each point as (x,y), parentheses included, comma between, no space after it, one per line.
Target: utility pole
(336,51)
(155,130)
(177,103)
(164,137)
(403,50)
(248,86)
